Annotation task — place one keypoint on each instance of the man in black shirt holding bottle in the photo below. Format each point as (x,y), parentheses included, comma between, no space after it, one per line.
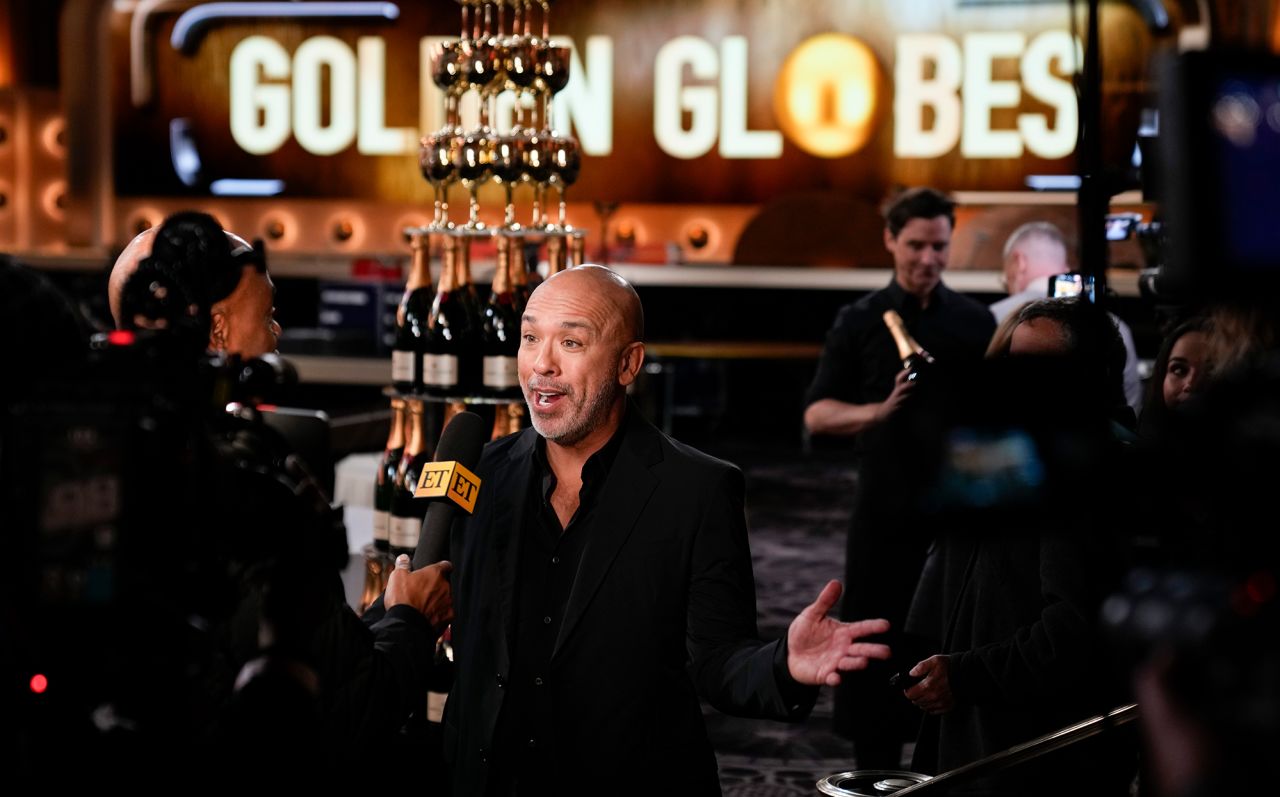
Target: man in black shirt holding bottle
(859,386)
(859,381)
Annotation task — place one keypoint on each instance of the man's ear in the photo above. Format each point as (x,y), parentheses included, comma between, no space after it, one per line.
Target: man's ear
(218,328)
(888,240)
(629,363)
(1017,268)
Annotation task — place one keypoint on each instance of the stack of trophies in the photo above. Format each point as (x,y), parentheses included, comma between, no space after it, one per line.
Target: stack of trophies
(453,352)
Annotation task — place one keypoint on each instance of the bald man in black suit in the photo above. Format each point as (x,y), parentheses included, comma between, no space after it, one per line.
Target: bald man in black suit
(605,582)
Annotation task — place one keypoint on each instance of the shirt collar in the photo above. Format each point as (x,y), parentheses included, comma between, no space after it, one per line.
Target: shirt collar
(901,300)
(597,465)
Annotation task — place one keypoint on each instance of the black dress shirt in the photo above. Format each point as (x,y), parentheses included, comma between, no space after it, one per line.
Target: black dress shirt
(860,361)
(548,561)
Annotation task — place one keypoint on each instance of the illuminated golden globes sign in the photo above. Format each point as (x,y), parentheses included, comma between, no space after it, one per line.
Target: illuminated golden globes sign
(325,95)
(694,106)
(963,92)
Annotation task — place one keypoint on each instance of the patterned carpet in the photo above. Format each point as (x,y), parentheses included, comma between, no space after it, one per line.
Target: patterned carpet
(797,512)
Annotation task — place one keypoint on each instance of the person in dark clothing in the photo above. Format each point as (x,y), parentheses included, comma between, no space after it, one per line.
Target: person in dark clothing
(1206,669)
(291,638)
(42,334)
(859,382)
(1074,328)
(195,601)
(1011,588)
(605,583)
(859,385)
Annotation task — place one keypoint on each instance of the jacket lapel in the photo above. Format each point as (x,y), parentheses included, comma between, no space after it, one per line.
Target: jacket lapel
(623,496)
(508,526)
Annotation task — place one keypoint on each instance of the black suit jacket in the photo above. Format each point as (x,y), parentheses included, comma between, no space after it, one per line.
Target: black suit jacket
(662,610)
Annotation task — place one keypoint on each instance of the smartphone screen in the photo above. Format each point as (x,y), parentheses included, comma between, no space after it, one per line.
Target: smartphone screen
(1120,226)
(1063,286)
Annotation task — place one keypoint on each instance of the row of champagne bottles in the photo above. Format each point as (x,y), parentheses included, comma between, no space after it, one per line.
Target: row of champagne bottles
(397,514)
(449,343)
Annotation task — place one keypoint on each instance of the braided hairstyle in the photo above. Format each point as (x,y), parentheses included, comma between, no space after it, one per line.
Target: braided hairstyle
(191,267)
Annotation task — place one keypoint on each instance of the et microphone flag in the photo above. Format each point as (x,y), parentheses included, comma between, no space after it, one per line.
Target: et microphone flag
(449,480)
(449,484)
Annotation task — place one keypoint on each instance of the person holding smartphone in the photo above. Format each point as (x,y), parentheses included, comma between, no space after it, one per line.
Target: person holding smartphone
(1034,255)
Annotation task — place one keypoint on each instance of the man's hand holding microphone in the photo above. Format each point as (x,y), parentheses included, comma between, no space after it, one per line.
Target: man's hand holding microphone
(426,590)
(451,486)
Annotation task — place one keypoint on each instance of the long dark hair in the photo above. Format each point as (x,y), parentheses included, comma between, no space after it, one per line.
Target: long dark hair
(1155,413)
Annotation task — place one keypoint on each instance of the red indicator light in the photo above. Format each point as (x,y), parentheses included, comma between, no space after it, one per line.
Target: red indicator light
(120,337)
(1261,587)
(39,684)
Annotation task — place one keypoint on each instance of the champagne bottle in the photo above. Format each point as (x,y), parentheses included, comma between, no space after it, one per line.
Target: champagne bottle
(501,338)
(385,486)
(519,276)
(451,409)
(412,318)
(507,419)
(577,250)
(440,677)
(451,363)
(533,278)
(470,362)
(440,361)
(406,511)
(914,357)
(556,255)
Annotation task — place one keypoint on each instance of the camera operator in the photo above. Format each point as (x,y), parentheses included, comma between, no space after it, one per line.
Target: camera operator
(222,639)
(366,678)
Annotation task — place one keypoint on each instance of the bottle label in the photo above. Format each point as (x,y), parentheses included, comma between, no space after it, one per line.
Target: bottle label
(440,370)
(500,373)
(381,525)
(405,531)
(402,366)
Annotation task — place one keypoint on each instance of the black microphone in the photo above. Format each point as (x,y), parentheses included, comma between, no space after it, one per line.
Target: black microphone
(450,483)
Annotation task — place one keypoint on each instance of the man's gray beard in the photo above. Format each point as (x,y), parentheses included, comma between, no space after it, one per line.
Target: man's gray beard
(596,412)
